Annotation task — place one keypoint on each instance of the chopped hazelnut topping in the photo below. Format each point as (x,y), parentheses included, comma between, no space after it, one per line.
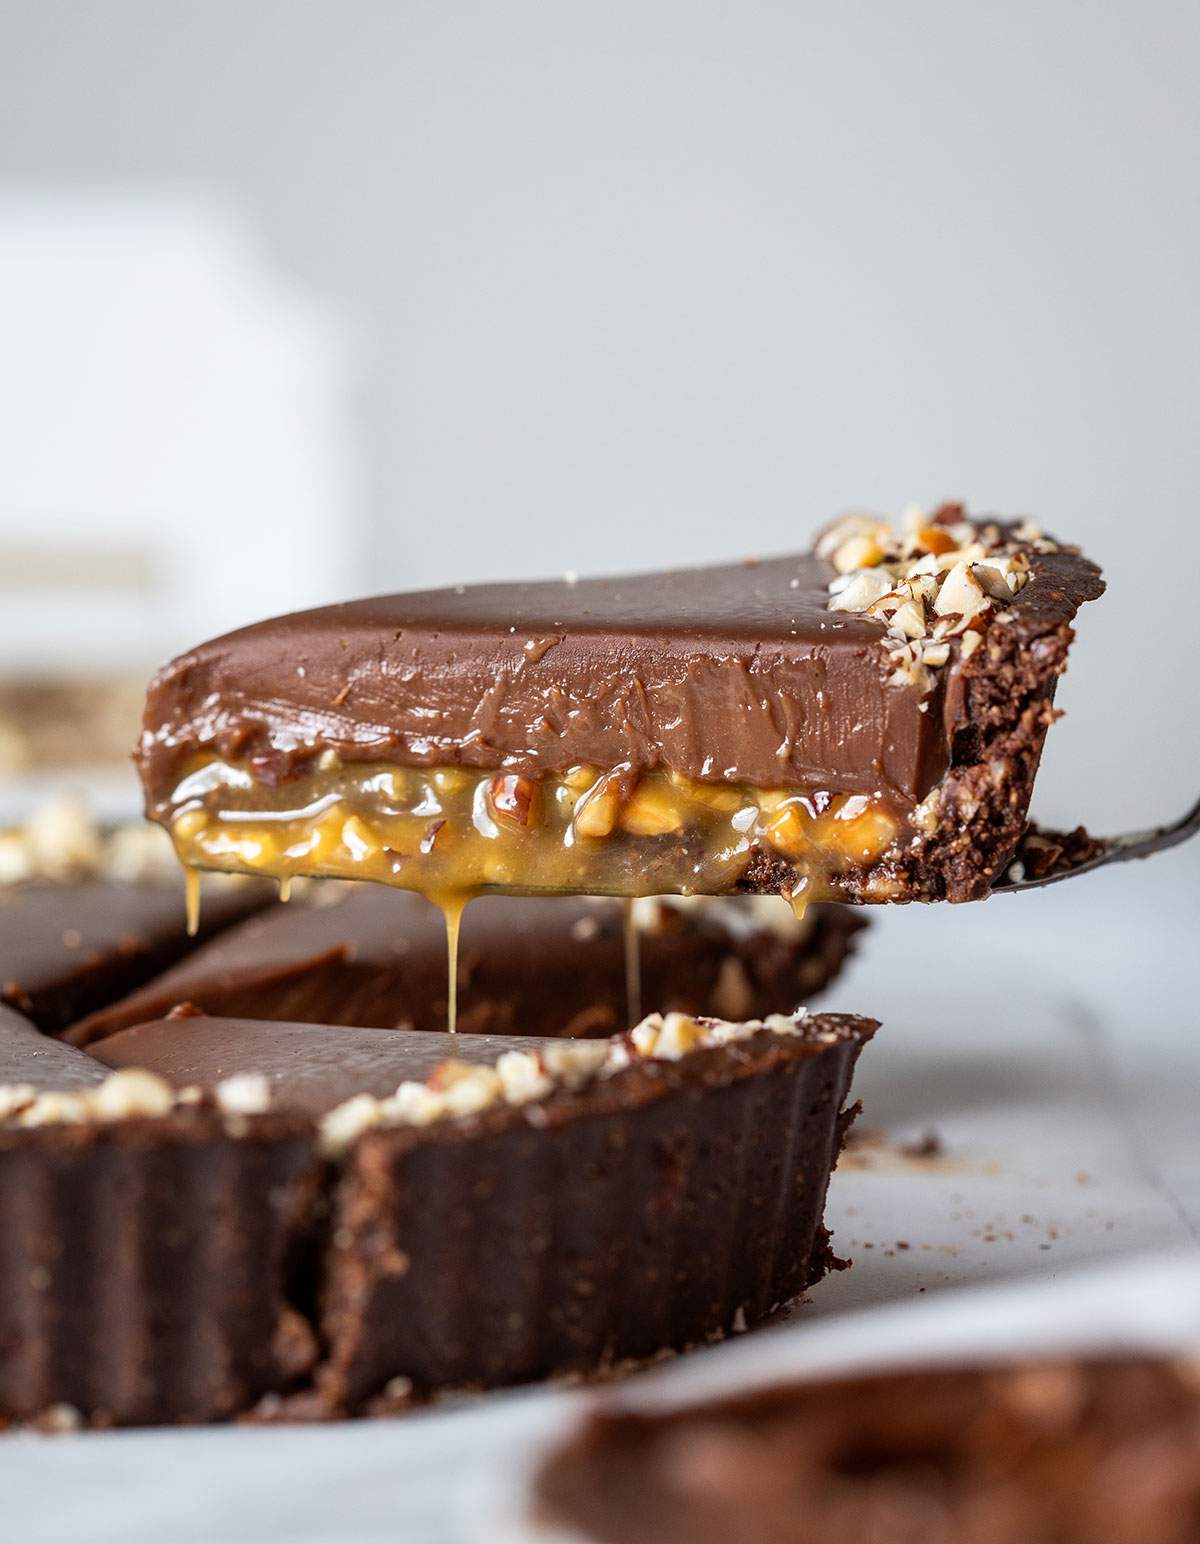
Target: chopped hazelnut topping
(122,1094)
(522,1077)
(14,1097)
(343,1126)
(458,1088)
(131,1092)
(930,581)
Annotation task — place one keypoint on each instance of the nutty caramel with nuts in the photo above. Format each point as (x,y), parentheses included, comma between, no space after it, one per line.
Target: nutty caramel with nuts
(451,833)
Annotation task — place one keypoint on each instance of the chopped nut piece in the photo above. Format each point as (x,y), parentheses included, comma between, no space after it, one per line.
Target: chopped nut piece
(645,1035)
(651,811)
(522,1077)
(466,1089)
(857,552)
(357,837)
(680,1033)
(909,619)
(343,1126)
(63,839)
(573,1063)
(54,1108)
(713,795)
(935,539)
(130,1092)
(961,594)
(848,526)
(597,814)
(991,580)
(246,1093)
(414,1104)
(14,1097)
(514,799)
(863,591)
(788,829)
(16,860)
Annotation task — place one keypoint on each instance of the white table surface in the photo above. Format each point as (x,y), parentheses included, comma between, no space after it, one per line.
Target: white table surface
(1051,1040)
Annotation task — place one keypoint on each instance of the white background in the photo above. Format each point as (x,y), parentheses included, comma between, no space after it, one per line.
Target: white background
(646,283)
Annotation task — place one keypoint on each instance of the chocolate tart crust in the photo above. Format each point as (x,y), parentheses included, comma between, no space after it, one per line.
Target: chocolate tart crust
(144,1267)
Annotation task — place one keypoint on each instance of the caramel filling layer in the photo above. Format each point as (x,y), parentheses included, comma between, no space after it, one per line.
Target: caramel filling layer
(451,833)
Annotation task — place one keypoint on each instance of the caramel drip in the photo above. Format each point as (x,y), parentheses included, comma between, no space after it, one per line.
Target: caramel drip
(285,889)
(633,965)
(800,899)
(452,906)
(191,893)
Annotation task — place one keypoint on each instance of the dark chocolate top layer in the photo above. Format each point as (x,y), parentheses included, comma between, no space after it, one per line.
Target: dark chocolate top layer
(28,1056)
(737,672)
(311,1067)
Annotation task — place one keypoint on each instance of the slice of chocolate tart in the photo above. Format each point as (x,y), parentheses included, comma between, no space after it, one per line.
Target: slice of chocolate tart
(861,722)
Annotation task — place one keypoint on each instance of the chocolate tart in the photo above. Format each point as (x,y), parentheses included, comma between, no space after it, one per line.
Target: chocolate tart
(254,1217)
(861,722)
(1073,1452)
(371,957)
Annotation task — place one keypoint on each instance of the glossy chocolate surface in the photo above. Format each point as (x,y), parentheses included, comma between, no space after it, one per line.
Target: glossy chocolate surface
(311,1067)
(736,672)
(27,1056)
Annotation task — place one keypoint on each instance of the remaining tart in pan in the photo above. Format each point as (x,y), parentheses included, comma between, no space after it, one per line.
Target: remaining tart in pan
(325,1220)
(372,957)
